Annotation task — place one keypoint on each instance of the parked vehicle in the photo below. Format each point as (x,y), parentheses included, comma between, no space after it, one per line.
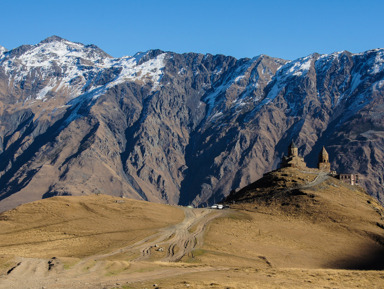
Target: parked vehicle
(217,206)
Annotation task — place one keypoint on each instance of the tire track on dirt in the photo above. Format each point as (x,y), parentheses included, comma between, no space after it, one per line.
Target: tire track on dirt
(177,240)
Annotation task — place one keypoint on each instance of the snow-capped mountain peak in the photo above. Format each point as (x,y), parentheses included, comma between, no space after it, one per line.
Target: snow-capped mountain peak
(53,38)
(63,51)
(77,68)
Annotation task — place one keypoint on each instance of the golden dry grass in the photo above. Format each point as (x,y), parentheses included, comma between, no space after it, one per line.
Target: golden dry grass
(328,225)
(250,278)
(320,237)
(80,226)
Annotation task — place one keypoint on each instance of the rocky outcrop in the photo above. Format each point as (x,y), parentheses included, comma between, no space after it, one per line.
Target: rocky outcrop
(179,128)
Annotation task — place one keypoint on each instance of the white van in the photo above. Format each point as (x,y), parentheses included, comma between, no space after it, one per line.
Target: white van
(217,206)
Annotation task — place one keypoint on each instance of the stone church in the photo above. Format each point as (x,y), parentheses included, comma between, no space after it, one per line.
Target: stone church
(293,160)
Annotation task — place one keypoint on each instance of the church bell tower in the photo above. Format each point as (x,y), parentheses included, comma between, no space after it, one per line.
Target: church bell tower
(323,163)
(293,150)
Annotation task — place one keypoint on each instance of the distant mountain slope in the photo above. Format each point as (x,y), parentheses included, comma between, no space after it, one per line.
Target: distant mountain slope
(179,128)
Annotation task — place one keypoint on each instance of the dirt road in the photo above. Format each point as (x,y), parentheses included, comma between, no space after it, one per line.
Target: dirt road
(181,239)
(321,177)
(168,245)
(176,241)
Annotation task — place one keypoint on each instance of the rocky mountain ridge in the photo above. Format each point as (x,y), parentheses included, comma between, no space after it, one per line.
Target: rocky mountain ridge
(179,128)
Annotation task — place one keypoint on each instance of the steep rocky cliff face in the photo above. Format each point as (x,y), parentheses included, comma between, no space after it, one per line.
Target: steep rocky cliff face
(179,128)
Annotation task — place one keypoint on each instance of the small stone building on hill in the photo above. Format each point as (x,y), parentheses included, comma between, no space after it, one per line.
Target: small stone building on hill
(352,179)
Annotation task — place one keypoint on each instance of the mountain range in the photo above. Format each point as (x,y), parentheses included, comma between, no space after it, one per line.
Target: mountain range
(180,128)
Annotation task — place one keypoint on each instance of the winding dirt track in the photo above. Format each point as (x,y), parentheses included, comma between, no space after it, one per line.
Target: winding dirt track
(182,238)
(177,240)
(173,242)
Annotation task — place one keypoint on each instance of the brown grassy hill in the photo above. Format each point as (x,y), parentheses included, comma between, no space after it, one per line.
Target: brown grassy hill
(80,226)
(307,219)
(290,229)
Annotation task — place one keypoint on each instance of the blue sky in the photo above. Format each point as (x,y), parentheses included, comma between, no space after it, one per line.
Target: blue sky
(241,28)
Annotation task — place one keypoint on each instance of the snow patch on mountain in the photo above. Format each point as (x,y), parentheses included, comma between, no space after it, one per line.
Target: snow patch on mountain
(151,70)
(324,62)
(218,70)
(230,81)
(244,80)
(356,80)
(378,64)
(379,85)
(3,50)
(41,95)
(299,67)
(296,68)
